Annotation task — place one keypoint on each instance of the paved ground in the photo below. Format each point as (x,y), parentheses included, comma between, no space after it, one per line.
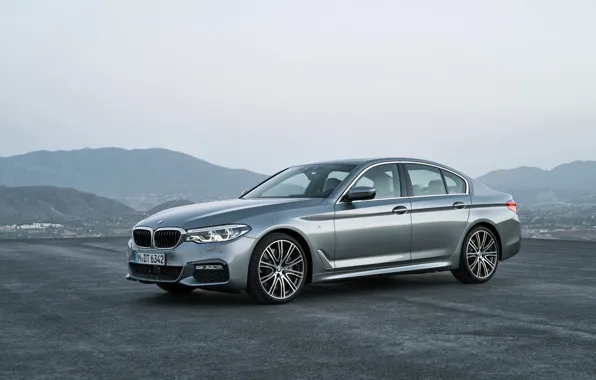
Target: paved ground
(66,312)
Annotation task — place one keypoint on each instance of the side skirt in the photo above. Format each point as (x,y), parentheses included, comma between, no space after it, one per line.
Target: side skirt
(427,267)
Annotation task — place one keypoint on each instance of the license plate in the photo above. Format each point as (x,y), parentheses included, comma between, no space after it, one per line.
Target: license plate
(150,258)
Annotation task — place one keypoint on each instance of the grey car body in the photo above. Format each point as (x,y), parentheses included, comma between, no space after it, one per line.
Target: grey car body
(400,220)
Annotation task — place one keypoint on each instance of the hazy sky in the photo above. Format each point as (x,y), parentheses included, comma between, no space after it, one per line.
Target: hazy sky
(265,84)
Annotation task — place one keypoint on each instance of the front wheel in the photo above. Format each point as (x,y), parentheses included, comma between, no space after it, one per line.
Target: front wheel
(479,257)
(277,270)
(175,288)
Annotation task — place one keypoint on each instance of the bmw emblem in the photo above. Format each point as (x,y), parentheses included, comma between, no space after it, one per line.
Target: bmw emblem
(160,222)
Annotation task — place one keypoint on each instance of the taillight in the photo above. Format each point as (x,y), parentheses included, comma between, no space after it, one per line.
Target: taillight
(511,205)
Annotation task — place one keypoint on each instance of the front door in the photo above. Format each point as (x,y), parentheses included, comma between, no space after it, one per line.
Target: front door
(374,232)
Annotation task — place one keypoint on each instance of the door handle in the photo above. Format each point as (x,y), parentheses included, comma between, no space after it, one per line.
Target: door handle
(459,205)
(400,210)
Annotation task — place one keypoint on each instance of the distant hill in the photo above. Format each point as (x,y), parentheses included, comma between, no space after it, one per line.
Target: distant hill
(169,204)
(127,175)
(47,204)
(574,182)
(577,175)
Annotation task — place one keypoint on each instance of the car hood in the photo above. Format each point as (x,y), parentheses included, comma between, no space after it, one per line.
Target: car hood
(221,212)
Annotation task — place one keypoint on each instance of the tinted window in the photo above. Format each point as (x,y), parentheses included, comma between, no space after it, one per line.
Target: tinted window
(426,180)
(384,178)
(455,184)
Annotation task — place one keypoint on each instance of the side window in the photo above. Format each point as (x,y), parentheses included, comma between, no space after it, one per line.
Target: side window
(426,180)
(384,178)
(455,184)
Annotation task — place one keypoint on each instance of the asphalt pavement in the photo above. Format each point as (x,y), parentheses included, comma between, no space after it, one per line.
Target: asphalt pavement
(66,312)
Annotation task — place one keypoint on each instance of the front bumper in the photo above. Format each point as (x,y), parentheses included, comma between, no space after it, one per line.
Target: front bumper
(218,266)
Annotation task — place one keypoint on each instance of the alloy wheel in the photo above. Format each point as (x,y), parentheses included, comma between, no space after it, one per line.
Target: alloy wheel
(482,254)
(281,269)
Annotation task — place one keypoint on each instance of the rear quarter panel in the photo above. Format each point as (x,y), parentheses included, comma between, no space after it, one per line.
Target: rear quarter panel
(489,207)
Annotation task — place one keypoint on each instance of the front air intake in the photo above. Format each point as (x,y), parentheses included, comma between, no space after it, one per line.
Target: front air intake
(211,273)
(154,272)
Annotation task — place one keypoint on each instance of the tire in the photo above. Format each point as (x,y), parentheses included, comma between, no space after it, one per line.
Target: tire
(477,266)
(269,280)
(175,288)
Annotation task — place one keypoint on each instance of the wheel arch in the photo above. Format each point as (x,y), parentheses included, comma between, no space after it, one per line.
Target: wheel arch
(303,243)
(488,225)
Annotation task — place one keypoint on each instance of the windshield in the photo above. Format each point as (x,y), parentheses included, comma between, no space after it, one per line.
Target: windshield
(307,181)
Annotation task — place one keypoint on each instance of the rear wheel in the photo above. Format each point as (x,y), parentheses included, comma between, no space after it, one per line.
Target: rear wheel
(277,270)
(175,288)
(479,257)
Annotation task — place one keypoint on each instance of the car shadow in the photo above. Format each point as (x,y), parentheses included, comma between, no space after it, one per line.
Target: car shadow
(378,285)
(196,298)
(315,293)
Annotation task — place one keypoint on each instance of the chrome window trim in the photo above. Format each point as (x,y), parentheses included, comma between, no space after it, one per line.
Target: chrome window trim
(467,192)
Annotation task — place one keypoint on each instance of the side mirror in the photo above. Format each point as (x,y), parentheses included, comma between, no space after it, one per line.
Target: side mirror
(360,193)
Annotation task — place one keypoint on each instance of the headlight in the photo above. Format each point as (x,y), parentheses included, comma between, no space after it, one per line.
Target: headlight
(217,234)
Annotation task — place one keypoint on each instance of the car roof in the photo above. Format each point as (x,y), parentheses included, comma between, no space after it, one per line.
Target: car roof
(374,160)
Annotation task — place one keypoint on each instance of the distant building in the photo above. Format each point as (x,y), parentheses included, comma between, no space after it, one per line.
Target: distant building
(39,226)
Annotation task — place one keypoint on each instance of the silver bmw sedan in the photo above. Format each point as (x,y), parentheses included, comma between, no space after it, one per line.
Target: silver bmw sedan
(329,221)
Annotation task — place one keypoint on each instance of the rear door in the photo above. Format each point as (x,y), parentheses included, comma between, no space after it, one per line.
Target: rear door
(440,210)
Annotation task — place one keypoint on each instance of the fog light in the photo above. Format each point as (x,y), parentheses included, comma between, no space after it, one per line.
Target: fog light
(209,267)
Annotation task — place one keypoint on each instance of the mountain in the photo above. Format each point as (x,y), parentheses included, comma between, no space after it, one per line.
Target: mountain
(48,204)
(573,182)
(169,204)
(139,176)
(577,175)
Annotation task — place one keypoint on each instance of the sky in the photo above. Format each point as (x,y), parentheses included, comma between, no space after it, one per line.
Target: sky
(261,85)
